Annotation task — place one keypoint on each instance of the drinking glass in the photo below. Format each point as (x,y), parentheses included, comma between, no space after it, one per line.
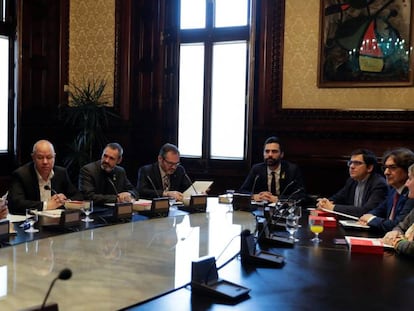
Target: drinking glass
(316,226)
(87,208)
(31,219)
(172,201)
(229,195)
(292,223)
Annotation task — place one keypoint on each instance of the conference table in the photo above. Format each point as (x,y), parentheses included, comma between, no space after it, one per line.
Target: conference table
(146,265)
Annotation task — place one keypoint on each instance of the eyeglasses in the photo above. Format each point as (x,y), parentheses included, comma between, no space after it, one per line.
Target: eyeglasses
(391,167)
(171,163)
(354,162)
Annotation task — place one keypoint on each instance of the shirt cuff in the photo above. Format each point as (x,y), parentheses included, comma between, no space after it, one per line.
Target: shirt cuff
(371,219)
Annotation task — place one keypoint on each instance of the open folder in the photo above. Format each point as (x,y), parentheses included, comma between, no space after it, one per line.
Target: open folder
(198,187)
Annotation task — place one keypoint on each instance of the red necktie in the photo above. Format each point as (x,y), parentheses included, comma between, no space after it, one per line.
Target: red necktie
(394,205)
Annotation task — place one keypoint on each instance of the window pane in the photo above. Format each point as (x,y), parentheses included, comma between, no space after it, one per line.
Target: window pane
(193,14)
(231,13)
(4,83)
(228,100)
(190,125)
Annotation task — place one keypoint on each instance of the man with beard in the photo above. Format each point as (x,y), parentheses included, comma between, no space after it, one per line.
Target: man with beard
(397,205)
(274,179)
(104,181)
(40,184)
(164,178)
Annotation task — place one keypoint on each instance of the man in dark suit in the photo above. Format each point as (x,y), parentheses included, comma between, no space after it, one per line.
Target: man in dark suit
(274,179)
(402,236)
(397,205)
(164,178)
(40,184)
(104,181)
(364,190)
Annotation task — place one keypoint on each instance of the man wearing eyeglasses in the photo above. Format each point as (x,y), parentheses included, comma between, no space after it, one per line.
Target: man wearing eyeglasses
(397,205)
(364,190)
(164,178)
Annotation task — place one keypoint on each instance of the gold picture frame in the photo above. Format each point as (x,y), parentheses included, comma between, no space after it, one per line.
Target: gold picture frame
(365,43)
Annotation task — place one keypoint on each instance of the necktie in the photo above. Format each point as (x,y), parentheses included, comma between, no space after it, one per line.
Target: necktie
(166,183)
(273,184)
(358,196)
(394,205)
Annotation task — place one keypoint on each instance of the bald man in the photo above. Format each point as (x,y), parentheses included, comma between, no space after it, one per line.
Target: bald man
(40,183)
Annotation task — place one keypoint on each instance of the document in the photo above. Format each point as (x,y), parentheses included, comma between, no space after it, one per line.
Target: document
(340,214)
(353,224)
(53,213)
(198,187)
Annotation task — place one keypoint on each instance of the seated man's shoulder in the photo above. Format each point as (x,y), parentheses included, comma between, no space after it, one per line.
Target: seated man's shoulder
(91,166)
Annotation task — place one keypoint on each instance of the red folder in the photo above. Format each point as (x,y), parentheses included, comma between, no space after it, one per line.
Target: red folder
(365,245)
(328,221)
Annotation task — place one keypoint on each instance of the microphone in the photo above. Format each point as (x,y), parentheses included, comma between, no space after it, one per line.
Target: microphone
(113,185)
(153,186)
(191,183)
(254,184)
(47,187)
(65,274)
(287,187)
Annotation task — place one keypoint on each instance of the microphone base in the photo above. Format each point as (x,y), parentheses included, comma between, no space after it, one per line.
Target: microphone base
(275,240)
(205,281)
(264,259)
(48,307)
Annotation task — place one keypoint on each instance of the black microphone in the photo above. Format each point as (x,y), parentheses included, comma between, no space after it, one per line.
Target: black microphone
(65,274)
(113,185)
(254,184)
(153,186)
(47,187)
(287,187)
(189,180)
(213,268)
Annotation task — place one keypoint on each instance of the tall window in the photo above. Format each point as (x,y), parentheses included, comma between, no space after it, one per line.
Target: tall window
(6,32)
(214,56)
(4,98)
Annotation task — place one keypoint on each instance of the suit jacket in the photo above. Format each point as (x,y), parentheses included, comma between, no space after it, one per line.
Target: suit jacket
(382,211)
(375,192)
(102,187)
(151,172)
(405,247)
(24,188)
(290,181)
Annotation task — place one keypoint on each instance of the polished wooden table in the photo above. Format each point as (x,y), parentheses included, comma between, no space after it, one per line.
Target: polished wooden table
(146,265)
(118,265)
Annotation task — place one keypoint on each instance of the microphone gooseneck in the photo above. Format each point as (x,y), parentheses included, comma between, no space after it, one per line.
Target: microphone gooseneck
(287,187)
(191,183)
(254,184)
(210,269)
(65,274)
(113,186)
(153,186)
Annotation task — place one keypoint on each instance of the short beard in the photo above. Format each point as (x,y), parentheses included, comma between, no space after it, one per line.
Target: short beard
(272,162)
